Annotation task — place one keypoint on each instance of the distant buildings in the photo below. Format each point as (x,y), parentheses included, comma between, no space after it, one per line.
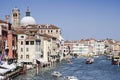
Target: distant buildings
(92,46)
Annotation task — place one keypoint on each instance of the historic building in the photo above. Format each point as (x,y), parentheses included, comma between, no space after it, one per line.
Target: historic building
(37,42)
(25,41)
(8,40)
(15,17)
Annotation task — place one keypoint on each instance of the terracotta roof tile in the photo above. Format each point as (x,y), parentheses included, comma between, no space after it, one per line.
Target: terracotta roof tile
(1,21)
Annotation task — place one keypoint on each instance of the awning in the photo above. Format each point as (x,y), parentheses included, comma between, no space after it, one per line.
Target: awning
(3,71)
(42,61)
(10,67)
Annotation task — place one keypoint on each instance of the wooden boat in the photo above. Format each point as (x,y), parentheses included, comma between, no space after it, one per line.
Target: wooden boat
(89,60)
(56,74)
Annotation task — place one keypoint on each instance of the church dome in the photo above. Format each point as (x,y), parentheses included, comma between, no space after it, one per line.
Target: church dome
(27,20)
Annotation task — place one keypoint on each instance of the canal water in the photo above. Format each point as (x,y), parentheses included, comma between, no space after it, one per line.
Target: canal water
(101,69)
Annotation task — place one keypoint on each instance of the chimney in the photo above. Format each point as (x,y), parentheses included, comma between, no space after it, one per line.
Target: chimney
(7,18)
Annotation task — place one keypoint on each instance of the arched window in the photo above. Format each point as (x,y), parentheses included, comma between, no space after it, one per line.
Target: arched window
(27,56)
(15,15)
(21,56)
(21,42)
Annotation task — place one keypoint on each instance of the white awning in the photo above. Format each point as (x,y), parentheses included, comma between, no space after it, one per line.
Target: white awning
(42,61)
(10,67)
(3,71)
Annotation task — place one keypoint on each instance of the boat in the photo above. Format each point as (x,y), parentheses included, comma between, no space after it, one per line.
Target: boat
(71,78)
(9,71)
(109,57)
(56,74)
(116,60)
(89,60)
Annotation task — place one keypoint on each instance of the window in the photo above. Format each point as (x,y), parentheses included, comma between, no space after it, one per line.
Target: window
(31,42)
(41,56)
(21,56)
(56,31)
(13,42)
(51,31)
(15,15)
(48,31)
(27,56)
(41,31)
(22,36)
(27,42)
(21,42)
(37,42)
(21,49)
(77,44)
(27,49)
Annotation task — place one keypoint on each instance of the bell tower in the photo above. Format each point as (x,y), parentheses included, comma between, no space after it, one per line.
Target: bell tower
(15,17)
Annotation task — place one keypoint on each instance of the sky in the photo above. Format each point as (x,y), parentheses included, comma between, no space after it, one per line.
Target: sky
(78,19)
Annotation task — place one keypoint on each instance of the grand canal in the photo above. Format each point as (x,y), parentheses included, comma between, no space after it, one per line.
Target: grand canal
(101,69)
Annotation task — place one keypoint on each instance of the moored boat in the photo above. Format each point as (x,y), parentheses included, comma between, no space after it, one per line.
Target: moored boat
(9,71)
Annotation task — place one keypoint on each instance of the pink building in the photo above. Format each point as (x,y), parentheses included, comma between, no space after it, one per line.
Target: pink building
(7,40)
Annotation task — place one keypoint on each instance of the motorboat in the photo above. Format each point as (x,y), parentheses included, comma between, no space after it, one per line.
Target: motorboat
(116,60)
(71,78)
(89,60)
(56,74)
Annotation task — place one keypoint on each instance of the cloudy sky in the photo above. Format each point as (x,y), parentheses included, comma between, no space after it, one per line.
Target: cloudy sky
(78,19)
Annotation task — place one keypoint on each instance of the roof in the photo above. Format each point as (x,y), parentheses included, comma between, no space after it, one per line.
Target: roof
(1,21)
(27,20)
(47,26)
(20,31)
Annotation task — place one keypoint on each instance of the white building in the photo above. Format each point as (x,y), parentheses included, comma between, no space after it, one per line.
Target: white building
(99,48)
(80,49)
(29,48)
(44,47)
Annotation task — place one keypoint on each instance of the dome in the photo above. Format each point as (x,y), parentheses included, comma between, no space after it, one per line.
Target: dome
(27,20)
